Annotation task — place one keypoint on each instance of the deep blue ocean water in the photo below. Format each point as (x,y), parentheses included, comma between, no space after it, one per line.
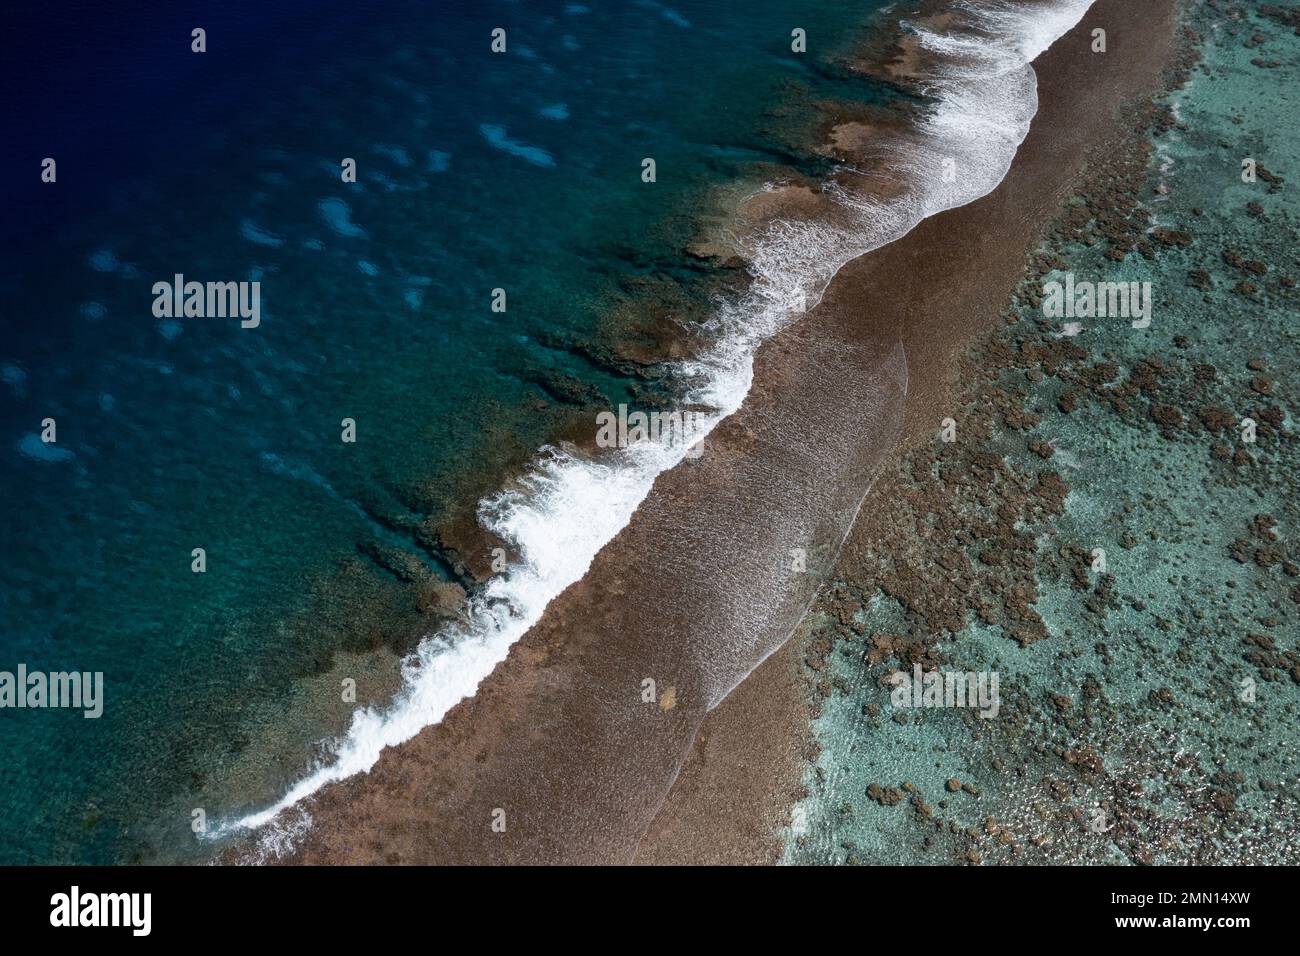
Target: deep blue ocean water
(476,171)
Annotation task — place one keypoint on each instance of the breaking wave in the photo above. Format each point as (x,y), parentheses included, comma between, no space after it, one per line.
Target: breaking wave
(982,95)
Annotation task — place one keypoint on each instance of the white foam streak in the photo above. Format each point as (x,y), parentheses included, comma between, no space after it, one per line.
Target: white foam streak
(557,518)
(569,507)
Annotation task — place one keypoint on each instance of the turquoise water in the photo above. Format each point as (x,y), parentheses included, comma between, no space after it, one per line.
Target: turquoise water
(1174,739)
(519,171)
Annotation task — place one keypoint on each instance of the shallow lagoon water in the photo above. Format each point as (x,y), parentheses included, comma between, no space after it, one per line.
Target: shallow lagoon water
(1198,742)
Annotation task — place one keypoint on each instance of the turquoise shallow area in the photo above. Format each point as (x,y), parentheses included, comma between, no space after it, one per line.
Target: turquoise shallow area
(476,171)
(1177,739)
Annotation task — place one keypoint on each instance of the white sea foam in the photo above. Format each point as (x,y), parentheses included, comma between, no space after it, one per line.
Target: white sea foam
(568,507)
